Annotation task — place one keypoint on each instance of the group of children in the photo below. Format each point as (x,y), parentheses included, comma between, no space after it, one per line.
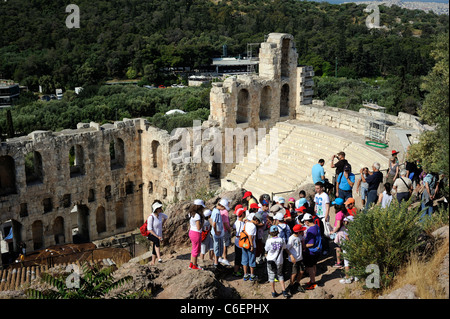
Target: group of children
(288,238)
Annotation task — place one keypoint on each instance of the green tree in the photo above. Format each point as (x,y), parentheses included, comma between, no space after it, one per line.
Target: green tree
(433,146)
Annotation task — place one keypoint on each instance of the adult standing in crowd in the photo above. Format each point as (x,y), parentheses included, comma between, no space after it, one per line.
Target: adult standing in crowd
(339,165)
(430,188)
(155,223)
(363,187)
(373,180)
(344,183)
(318,173)
(403,186)
(393,170)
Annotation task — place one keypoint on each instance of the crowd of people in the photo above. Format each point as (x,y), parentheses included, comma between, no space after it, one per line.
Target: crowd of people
(289,237)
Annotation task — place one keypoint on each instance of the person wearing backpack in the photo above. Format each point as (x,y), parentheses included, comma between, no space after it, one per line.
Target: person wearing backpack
(155,223)
(238,226)
(248,254)
(274,246)
(313,244)
(207,242)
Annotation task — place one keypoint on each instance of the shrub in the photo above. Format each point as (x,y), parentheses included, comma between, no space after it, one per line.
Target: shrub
(384,237)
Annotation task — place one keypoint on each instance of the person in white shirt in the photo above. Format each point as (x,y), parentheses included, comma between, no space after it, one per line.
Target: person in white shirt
(238,226)
(322,201)
(207,242)
(295,249)
(248,255)
(274,247)
(155,223)
(196,219)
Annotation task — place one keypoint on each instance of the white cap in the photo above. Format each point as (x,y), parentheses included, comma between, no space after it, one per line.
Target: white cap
(348,219)
(207,212)
(281,200)
(307,216)
(224,203)
(279,216)
(155,206)
(199,202)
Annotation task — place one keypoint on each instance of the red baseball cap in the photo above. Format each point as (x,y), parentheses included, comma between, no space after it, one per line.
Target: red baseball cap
(239,212)
(254,205)
(301,209)
(298,228)
(247,194)
(394,152)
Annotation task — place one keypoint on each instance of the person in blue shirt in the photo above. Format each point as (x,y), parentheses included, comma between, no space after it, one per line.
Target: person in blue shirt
(318,173)
(344,183)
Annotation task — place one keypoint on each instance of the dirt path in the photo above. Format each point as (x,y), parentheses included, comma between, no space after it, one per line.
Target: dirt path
(327,278)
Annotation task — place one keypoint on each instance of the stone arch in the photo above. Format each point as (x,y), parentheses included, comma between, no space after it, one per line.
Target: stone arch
(58,230)
(117,153)
(81,232)
(157,155)
(242,115)
(285,48)
(37,231)
(7,176)
(76,160)
(284,100)
(100,219)
(33,168)
(265,105)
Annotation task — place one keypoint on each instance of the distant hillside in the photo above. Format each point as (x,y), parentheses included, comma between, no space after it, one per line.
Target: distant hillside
(134,38)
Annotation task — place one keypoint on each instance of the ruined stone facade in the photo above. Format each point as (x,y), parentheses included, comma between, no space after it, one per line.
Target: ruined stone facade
(261,100)
(86,184)
(97,181)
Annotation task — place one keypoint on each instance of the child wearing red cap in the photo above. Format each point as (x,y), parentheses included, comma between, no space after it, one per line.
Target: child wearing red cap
(295,249)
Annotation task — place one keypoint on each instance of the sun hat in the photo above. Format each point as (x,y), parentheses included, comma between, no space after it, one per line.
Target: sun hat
(298,228)
(273,228)
(279,216)
(350,201)
(300,202)
(207,213)
(199,202)
(224,203)
(258,215)
(247,194)
(155,206)
(338,201)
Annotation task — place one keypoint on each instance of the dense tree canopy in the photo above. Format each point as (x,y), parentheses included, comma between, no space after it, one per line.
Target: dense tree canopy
(119,38)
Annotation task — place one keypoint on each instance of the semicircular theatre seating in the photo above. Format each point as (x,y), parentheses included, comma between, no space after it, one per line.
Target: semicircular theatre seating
(286,166)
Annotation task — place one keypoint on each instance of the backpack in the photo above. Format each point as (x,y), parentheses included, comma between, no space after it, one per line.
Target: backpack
(144,231)
(284,233)
(317,245)
(244,240)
